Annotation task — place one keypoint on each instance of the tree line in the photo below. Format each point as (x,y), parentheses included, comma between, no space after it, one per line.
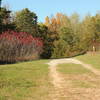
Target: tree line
(72,36)
(62,35)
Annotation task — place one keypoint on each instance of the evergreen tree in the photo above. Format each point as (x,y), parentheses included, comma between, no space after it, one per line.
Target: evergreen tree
(25,21)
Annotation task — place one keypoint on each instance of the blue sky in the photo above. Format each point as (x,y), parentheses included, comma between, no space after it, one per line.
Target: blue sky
(45,8)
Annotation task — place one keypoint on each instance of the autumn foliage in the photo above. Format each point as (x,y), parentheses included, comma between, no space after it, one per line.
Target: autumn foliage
(19,46)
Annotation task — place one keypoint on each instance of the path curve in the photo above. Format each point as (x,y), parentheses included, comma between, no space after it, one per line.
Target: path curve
(57,80)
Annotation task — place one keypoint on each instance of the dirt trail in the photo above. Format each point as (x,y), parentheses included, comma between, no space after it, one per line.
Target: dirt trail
(58,81)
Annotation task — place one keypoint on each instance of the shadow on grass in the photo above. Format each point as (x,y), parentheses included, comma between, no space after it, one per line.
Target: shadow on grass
(83,53)
(6,62)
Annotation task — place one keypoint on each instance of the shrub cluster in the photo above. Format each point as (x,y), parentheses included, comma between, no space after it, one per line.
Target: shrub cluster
(19,46)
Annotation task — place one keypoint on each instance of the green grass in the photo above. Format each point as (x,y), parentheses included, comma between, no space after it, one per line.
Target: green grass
(94,60)
(24,81)
(30,80)
(77,75)
(72,69)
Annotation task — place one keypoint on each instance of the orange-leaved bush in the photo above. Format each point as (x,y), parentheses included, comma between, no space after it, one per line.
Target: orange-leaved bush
(19,46)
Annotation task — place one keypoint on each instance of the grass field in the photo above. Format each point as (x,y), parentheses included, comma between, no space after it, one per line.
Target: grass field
(93,59)
(24,81)
(72,69)
(78,73)
(31,81)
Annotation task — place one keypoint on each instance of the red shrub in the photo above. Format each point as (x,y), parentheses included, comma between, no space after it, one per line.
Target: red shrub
(19,46)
